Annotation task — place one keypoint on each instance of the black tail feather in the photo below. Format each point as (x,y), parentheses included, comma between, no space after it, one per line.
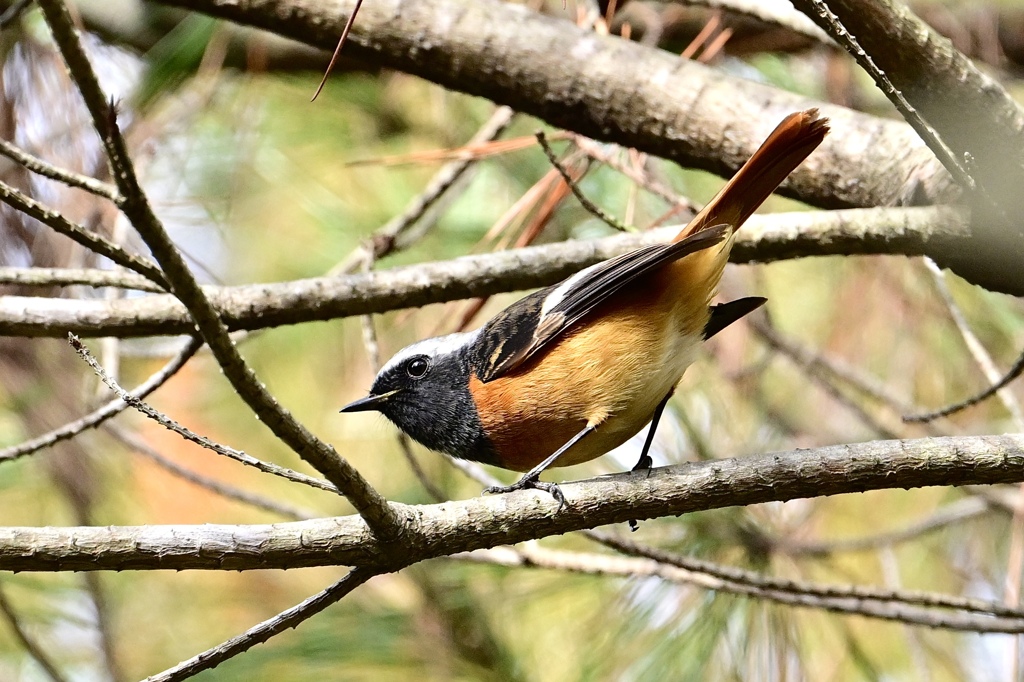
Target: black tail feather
(724,314)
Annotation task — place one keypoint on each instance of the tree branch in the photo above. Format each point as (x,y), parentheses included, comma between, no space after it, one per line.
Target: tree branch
(973,114)
(443,529)
(911,231)
(607,88)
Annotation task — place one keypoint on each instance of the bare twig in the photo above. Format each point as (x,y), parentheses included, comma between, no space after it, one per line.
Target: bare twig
(12,13)
(114,407)
(945,156)
(997,383)
(591,207)
(47,170)
(192,436)
(595,151)
(604,565)
(958,512)
(381,517)
(389,237)
(337,50)
(90,240)
(285,620)
(829,370)
(103,626)
(854,592)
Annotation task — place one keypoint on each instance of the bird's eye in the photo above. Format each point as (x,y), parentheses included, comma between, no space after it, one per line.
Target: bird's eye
(417,367)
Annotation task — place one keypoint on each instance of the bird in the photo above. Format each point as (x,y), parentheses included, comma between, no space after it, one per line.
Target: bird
(571,371)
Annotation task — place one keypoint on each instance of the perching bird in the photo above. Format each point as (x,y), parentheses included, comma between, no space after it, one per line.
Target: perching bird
(576,369)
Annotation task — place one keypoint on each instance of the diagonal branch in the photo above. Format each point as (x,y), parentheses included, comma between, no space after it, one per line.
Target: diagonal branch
(137,209)
(90,240)
(258,634)
(102,414)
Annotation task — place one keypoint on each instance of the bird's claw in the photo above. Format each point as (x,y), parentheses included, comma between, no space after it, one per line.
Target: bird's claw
(526,483)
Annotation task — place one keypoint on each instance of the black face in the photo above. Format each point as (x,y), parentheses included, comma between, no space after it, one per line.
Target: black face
(427,396)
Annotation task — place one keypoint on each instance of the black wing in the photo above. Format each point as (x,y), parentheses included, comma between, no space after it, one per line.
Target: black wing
(525,327)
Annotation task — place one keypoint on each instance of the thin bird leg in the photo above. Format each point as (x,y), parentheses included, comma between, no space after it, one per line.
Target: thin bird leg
(645,460)
(529,479)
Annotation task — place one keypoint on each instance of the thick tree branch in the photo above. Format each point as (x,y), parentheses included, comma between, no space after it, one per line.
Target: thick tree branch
(764,238)
(443,529)
(606,88)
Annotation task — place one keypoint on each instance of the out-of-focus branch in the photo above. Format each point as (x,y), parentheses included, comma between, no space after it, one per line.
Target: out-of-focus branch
(451,527)
(31,647)
(63,277)
(258,634)
(765,589)
(911,231)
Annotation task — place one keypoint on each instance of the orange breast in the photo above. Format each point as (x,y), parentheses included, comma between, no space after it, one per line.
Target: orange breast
(611,370)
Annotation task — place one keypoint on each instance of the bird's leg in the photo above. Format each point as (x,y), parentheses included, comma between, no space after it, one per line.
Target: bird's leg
(529,479)
(645,460)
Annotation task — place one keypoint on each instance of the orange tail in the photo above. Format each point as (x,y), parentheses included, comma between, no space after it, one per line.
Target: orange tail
(789,144)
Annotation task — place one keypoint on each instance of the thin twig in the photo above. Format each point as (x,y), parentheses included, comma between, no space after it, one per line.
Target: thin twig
(285,620)
(945,156)
(112,408)
(381,517)
(829,369)
(190,435)
(103,626)
(337,50)
(596,151)
(223,489)
(90,240)
(63,277)
(69,178)
(35,652)
(605,565)
(12,13)
(592,208)
(997,383)
(741,576)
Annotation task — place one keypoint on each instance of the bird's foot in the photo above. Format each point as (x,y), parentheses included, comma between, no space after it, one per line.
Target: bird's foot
(644,464)
(527,482)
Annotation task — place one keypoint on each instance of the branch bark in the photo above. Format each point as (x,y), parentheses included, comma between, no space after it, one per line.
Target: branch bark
(607,88)
(912,231)
(432,531)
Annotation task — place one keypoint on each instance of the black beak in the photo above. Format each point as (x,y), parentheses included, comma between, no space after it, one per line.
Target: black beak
(370,402)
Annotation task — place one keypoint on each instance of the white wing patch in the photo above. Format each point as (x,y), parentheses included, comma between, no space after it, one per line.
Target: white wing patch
(558,295)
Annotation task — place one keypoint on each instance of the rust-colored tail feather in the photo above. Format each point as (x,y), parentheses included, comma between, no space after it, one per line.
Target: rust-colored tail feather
(789,144)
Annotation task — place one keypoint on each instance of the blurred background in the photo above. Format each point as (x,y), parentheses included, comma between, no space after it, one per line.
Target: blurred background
(257,184)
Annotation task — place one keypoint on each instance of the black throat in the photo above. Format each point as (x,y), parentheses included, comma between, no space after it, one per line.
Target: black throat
(439,411)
